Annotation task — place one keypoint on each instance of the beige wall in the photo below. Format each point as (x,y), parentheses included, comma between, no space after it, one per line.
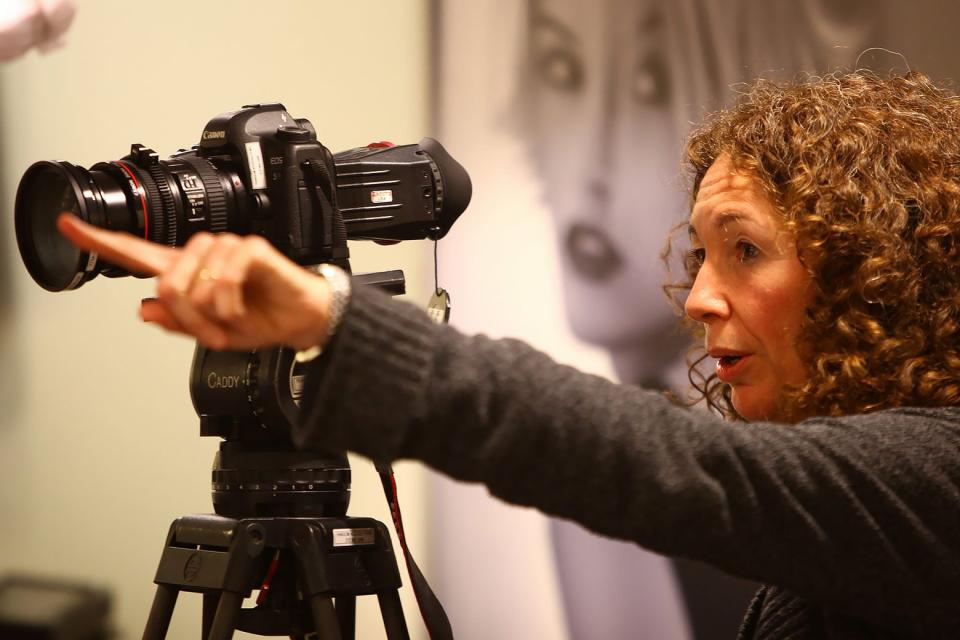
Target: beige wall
(99,446)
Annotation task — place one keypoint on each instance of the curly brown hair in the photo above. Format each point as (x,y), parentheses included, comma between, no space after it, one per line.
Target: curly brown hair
(866,174)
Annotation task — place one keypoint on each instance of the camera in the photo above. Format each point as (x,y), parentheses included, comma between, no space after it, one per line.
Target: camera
(259,171)
(255,171)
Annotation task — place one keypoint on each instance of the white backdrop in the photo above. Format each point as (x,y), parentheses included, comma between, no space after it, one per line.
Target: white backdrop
(99,446)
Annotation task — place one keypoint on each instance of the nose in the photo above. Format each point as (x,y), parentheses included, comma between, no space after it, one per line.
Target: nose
(598,189)
(606,116)
(707,301)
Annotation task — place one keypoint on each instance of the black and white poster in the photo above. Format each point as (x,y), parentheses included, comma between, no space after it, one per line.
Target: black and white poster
(571,117)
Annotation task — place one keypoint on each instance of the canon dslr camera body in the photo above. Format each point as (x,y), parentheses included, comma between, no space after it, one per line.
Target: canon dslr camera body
(255,171)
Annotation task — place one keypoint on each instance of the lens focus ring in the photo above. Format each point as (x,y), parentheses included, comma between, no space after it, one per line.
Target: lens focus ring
(163,224)
(216,200)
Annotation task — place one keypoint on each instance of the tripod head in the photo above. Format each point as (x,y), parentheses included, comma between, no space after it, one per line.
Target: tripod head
(251,400)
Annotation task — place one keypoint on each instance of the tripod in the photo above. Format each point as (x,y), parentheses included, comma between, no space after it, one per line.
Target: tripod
(281,528)
(309,571)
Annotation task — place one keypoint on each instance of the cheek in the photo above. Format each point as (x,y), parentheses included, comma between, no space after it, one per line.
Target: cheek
(564,126)
(781,329)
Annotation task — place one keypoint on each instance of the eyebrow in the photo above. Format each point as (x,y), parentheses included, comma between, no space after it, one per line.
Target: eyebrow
(542,19)
(722,220)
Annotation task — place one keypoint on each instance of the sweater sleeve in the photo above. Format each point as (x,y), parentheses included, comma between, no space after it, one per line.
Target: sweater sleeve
(861,514)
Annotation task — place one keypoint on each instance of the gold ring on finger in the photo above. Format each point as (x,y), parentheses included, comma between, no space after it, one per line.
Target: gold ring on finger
(208,275)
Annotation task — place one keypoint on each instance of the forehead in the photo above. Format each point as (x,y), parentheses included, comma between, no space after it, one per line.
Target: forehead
(574,14)
(579,13)
(589,24)
(725,191)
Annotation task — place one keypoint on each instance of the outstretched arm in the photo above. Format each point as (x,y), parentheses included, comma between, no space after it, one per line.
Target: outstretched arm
(858,514)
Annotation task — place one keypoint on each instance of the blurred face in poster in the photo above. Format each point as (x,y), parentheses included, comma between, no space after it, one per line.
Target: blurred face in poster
(610,89)
(605,144)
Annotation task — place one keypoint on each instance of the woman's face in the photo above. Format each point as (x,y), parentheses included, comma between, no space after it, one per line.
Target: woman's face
(750,291)
(604,144)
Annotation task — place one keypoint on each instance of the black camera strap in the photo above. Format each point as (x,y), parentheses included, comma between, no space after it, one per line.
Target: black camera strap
(318,178)
(434,617)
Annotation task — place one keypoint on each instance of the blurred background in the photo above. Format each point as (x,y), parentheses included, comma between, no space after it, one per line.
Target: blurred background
(569,117)
(99,443)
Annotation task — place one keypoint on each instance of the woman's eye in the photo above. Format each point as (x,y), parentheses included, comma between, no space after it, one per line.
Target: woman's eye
(695,258)
(651,82)
(746,251)
(555,59)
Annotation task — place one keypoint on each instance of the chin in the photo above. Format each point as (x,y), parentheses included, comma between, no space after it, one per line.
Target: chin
(596,333)
(596,322)
(752,408)
(601,320)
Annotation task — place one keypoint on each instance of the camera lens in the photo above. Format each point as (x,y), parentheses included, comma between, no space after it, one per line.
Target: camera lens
(47,190)
(111,195)
(162,201)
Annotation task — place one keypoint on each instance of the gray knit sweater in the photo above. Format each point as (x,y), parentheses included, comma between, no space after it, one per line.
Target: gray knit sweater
(854,522)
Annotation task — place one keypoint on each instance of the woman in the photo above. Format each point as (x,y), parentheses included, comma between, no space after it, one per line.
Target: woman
(824,277)
(608,96)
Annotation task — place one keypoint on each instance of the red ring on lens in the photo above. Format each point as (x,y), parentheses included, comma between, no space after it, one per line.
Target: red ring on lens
(143,198)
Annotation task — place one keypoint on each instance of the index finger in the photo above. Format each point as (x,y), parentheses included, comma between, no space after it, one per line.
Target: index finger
(121,249)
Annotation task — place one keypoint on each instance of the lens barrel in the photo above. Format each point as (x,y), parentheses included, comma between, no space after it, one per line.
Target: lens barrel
(111,195)
(161,201)
(46,190)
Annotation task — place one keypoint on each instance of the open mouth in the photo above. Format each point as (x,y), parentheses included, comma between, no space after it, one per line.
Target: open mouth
(729,367)
(592,253)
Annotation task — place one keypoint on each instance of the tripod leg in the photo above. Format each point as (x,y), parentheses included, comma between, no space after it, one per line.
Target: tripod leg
(392,613)
(347,616)
(160,612)
(209,610)
(324,618)
(225,620)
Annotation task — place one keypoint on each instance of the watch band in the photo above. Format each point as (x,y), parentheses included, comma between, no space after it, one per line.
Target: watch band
(339,281)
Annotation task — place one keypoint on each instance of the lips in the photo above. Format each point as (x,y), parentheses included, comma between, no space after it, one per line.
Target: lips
(592,253)
(730,363)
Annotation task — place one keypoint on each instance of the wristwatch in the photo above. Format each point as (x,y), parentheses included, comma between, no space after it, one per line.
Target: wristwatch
(339,282)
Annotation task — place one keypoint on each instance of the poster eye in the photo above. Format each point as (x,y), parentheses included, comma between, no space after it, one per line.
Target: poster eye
(650,82)
(560,69)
